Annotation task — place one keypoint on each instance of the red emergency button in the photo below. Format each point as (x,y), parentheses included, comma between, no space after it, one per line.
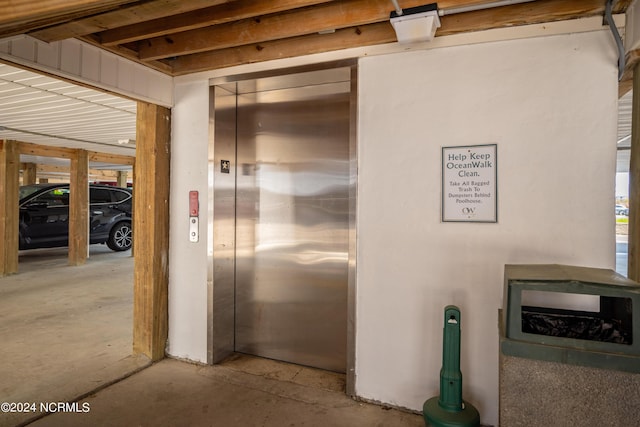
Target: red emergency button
(193,203)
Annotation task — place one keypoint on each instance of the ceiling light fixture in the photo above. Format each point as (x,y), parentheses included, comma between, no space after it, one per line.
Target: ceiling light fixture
(415,24)
(419,24)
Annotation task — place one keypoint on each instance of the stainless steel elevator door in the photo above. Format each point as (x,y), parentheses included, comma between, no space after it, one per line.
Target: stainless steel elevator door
(292,224)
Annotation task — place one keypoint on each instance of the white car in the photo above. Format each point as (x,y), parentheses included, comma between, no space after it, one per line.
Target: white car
(622,210)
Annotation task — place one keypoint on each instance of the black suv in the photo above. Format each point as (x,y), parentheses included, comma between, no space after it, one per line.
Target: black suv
(44,216)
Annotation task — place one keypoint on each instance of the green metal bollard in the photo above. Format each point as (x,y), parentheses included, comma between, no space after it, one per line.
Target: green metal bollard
(448,409)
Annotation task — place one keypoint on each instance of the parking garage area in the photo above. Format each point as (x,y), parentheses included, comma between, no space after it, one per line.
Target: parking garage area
(66,331)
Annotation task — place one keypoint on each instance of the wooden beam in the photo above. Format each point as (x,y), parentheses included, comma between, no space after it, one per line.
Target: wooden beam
(82,17)
(337,15)
(632,58)
(621,6)
(79,209)
(151,231)
(64,172)
(46,150)
(29,173)
(9,171)
(380,33)
(117,159)
(624,86)
(133,213)
(104,175)
(325,17)
(59,170)
(141,11)
(220,14)
(28,10)
(69,153)
(19,16)
(122,179)
(366,35)
(521,14)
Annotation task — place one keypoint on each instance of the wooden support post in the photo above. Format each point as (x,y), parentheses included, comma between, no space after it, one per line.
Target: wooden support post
(79,209)
(633,263)
(29,174)
(151,231)
(9,176)
(122,179)
(133,208)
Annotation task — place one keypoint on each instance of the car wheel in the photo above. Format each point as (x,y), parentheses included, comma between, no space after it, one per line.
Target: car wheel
(121,237)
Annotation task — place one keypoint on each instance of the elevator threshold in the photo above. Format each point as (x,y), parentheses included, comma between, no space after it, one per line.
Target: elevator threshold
(287,372)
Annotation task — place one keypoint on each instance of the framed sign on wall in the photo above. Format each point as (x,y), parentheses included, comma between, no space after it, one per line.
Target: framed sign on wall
(469,183)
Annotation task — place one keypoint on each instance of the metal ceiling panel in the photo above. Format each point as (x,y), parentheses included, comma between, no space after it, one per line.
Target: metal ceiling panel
(43,110)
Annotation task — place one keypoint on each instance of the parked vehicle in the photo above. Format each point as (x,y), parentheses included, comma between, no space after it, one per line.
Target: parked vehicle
(44,216)
(622,210)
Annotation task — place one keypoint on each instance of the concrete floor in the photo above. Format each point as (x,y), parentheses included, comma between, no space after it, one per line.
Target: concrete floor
(248,393)
(65,331)
(66,337)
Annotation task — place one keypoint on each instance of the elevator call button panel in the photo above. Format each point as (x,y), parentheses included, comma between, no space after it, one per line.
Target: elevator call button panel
(194,212)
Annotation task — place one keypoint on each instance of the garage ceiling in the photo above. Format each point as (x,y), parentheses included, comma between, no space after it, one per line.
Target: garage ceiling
(184,36)
(44,110)
(624,132)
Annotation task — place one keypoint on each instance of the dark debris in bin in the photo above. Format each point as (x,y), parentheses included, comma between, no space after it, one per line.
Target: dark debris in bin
(580,326)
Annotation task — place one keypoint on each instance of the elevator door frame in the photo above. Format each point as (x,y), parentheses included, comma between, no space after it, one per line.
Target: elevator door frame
(221,299)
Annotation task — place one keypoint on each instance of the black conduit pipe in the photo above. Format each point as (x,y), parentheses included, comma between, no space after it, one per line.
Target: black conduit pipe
(616,35)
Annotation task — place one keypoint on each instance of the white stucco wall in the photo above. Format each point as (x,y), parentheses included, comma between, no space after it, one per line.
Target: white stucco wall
(188,261)
(549,104)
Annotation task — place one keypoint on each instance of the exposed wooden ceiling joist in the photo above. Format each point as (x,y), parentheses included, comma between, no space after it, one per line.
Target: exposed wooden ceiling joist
(20,16)
(215,15)
(184,36)
(365,35)
(520,14)
(133,14)
(326,17)
(382,32)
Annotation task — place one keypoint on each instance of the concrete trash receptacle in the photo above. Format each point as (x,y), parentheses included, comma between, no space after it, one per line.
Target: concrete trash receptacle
(569,366)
